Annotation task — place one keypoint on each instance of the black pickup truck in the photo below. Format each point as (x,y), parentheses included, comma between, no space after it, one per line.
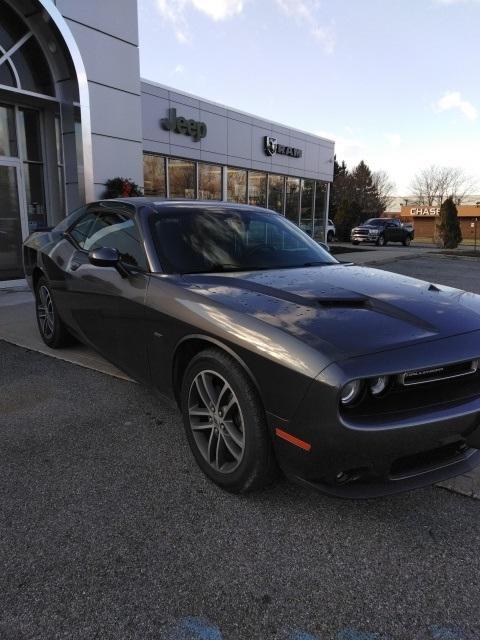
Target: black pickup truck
(382,230)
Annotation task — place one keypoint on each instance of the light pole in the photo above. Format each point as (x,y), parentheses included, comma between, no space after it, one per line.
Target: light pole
(475,238)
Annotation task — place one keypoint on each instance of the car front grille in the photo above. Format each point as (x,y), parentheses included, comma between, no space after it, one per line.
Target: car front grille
(360,232)
(435,374)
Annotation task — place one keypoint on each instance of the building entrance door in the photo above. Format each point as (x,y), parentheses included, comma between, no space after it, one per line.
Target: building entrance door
(13,224)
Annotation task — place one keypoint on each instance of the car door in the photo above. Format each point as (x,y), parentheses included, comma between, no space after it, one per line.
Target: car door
(106,307)
(389,232)
(397,233)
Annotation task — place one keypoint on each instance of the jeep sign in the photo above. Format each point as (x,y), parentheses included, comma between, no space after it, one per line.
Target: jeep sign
(194,128)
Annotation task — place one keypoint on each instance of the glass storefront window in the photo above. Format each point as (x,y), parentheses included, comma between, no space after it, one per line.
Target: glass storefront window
(11,27)
(257,188)
(30,141)
(276,192)
(320,203)
(31,154)
(32,68)
(209,182)
(181,178)
(6,75)
(154,175)
(237,185)
(8,135)
(60,167)
(34,188)
(306,206)
(292,199)
(10,227)
(79,155)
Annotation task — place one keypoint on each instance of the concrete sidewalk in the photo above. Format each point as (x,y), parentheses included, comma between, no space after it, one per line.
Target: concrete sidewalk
(18,326)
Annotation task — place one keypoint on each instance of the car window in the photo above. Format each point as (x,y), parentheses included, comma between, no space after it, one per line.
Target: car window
(113,229)
(67,222)
(196,241)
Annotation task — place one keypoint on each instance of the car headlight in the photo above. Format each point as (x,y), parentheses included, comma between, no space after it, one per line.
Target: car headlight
(350,392)
(373,232)
(378,385)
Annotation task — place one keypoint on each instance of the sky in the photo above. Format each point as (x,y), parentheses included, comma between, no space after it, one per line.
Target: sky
(395,83)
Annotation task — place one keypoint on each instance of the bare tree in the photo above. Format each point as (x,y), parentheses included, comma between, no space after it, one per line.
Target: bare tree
(385,188)
(432,186)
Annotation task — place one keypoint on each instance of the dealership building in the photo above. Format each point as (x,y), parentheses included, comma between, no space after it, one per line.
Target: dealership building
(74,113)
(425,220)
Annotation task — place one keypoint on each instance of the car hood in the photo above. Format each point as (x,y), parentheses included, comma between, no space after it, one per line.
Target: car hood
(345,309)
(367,226)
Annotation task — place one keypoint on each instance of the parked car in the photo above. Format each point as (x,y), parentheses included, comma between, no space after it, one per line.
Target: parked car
(382,230)
(355,381)
(331,232)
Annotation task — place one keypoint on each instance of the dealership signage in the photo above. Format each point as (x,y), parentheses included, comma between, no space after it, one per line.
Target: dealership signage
(425,211)
(197,130)
(272,147)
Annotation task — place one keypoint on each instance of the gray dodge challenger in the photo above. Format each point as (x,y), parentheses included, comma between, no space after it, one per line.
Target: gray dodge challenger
(351,380)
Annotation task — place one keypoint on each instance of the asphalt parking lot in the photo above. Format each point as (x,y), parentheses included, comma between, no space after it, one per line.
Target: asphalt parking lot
(109,530)
(463,273)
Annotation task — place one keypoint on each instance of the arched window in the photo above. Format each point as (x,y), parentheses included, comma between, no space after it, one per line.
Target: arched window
(22,62)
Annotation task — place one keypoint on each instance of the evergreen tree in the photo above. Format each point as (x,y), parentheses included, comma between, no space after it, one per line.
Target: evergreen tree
(349,215)
(358,186)
(449,227)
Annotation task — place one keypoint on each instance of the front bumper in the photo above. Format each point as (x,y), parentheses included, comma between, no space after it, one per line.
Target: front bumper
(388,453)
(362,238)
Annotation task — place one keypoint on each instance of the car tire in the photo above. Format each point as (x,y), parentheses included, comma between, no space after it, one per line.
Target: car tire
(233,449)
(52,329)
(406,242)
(381,242)
(330,236)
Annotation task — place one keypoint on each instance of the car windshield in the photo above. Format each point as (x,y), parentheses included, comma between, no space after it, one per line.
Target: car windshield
(211,240)
(376,222)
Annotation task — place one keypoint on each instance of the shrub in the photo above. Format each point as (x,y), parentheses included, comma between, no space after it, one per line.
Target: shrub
(449,227)
(122,188)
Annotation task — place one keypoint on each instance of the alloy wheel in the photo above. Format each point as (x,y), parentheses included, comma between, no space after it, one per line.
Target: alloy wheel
(46,312)
(216,421)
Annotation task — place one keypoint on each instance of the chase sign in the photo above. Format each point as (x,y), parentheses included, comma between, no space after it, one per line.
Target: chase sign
(425,211)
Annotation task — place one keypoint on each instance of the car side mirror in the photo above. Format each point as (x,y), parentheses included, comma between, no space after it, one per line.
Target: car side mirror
(107,257)
(104,257)
(325,246)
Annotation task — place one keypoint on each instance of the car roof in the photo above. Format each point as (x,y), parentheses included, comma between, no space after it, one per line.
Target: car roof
(161,202)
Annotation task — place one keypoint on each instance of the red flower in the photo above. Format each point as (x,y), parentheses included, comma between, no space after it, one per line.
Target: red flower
(126,189)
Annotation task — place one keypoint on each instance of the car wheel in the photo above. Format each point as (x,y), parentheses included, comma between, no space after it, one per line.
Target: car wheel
(406,242)
(330,236)
(381,242)
(225,423)
(52,329)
